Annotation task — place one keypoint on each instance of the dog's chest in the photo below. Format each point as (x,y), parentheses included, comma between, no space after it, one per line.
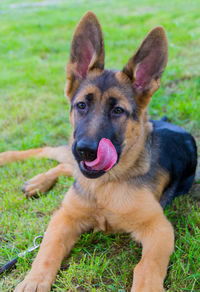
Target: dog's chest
(101,223)
(107,221)
(113,206)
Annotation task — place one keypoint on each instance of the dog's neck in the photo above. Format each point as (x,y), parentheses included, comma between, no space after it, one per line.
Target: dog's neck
(139,163)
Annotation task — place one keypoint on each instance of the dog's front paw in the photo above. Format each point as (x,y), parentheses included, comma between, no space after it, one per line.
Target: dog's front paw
(145,290)
(34,284)
(40,183)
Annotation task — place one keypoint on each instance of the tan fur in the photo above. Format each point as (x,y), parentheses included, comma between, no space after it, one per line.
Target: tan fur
(162,182)
(109,204)
(116,201)
(112,207)
(42,182)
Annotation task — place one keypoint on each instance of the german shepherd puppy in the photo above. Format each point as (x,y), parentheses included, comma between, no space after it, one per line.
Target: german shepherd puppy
(126,167)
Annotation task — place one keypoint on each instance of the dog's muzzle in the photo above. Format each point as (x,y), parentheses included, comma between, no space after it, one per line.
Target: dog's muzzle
(94,158)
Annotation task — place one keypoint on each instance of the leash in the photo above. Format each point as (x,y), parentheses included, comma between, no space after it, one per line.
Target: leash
(11,263)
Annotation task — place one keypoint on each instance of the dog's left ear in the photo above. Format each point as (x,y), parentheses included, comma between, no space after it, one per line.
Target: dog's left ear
(147,65)
(87,52)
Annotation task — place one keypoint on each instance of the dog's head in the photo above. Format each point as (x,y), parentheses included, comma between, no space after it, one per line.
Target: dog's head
(108,107)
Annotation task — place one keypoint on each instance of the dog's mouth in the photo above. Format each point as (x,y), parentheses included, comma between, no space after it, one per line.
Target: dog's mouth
(106,158)
(89,173)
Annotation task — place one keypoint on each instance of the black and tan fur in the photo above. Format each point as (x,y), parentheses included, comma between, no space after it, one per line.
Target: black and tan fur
(156,160)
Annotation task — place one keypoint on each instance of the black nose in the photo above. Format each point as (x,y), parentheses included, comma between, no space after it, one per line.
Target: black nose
(87,149)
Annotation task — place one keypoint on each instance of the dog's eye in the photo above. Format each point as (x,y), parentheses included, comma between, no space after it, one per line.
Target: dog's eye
(117,111)
(81,105)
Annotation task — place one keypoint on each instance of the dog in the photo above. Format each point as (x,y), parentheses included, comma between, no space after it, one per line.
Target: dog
(127,168)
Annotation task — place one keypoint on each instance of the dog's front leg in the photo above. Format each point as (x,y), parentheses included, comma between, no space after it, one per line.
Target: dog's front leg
(157,237)
(65,226)
(44,181)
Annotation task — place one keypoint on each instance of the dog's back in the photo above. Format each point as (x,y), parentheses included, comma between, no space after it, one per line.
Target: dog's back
(177,155)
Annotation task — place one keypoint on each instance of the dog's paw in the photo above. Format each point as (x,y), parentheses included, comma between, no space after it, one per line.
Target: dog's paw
(40,183)
(34,284)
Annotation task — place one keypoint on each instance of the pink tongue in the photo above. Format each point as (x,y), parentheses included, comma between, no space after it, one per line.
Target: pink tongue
(106,156)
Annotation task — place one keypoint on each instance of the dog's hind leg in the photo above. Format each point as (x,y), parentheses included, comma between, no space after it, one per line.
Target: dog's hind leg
(41,183)
(61,154)
(11,156)
(179,187)
(169,194)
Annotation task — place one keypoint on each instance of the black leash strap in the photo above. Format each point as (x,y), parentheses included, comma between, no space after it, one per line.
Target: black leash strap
(11,263)
(8,266)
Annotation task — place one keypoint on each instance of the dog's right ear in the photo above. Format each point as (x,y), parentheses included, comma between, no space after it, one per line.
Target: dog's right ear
(145,68)
(87,52)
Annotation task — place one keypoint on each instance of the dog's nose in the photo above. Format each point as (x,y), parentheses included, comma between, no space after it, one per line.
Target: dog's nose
(87,149)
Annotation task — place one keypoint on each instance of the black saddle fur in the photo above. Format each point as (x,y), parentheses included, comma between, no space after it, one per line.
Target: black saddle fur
(177,155)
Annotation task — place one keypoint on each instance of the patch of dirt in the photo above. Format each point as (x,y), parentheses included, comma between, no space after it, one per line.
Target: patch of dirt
(195,191)
(197,176)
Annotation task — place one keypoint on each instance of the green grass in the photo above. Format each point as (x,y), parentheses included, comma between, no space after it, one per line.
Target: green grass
(34,49)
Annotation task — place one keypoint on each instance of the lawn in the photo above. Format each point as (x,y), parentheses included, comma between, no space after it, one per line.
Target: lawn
(34,48)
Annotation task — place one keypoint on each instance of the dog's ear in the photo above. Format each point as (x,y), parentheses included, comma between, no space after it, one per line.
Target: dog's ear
(87,52)
(147,65)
